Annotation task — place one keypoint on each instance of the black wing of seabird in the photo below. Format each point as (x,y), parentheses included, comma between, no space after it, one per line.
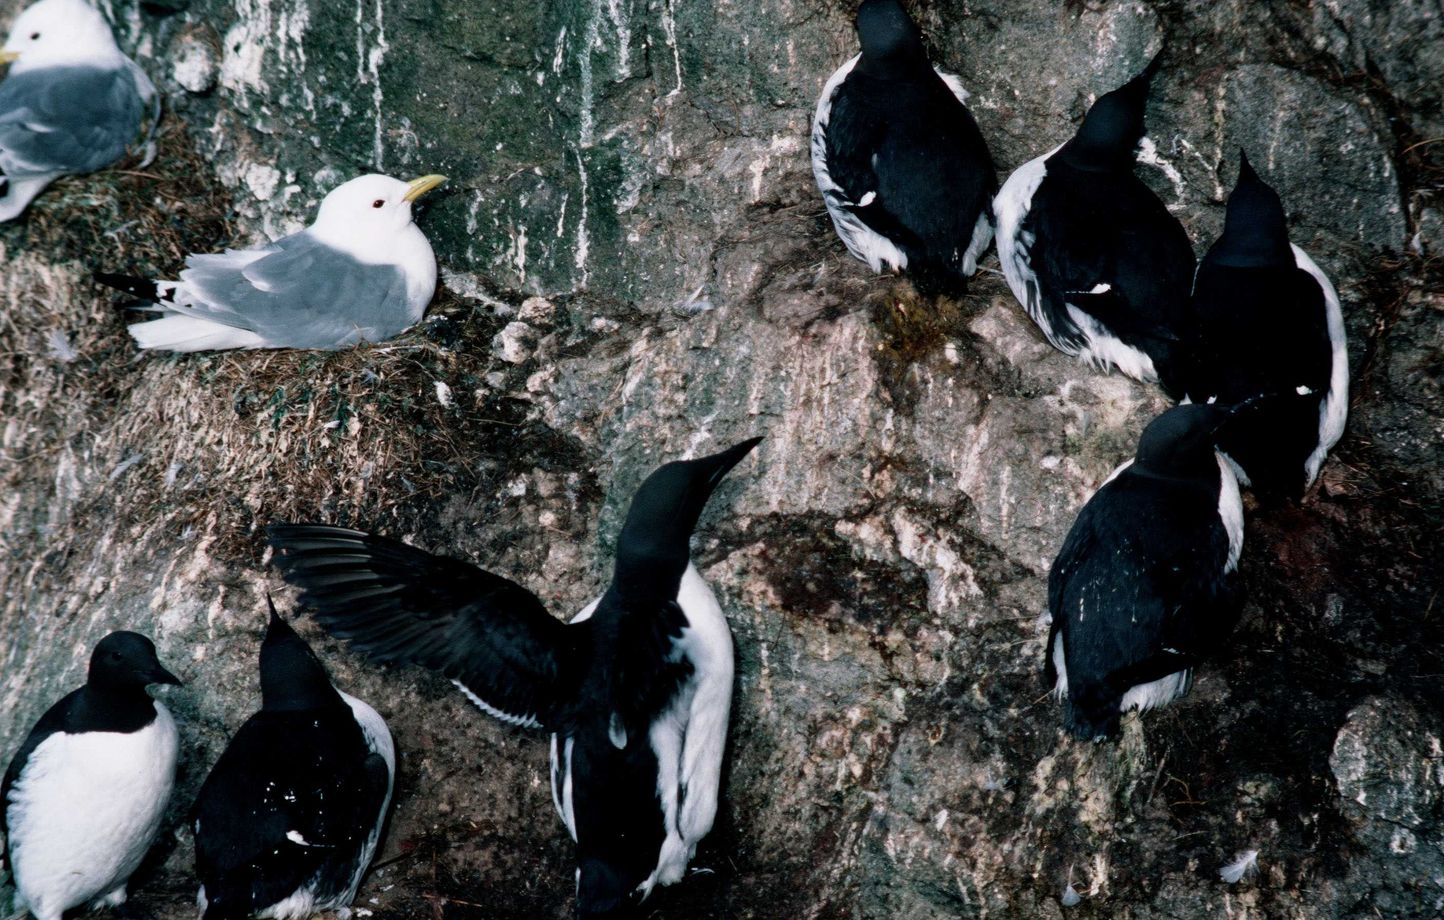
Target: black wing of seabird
(398,603)
(286,808)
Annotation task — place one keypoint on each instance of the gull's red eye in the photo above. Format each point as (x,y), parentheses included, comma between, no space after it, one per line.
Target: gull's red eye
(378,202)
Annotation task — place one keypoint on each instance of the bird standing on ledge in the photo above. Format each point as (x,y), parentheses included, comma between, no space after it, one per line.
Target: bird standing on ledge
(636,689)
(1091,252)
(84,796)
(1269,321)
(363,272)
(902,167)
(1146,584)
(290,816)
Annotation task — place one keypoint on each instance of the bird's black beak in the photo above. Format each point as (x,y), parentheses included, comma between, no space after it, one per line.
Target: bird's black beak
(1228,415)
(718,465)
(1143,80)
(159,675)
(1263,401)
(1245,168)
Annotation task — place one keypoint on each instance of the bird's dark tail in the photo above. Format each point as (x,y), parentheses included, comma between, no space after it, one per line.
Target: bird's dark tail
(1091,713)
(227,909)
(602,893)
(143,290)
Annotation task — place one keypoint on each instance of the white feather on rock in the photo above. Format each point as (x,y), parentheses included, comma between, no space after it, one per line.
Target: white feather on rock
(1246,863)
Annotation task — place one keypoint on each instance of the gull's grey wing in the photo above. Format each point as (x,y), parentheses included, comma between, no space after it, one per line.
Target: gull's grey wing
(67,119)
(297,293)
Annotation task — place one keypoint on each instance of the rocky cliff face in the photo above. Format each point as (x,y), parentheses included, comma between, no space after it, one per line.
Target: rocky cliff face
(636,266)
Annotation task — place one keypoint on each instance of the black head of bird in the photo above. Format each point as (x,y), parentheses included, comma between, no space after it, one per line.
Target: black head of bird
(1255,230)
(653,545)
(1113,127)
(292,677)
(1179,444)
(127,661)
(891,43)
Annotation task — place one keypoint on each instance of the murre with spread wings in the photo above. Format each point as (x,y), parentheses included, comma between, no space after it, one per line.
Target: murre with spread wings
(636,689)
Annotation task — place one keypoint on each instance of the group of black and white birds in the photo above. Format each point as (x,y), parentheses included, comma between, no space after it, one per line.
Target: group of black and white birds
(285,825)
(636,689)
(1251,340)
(636,692)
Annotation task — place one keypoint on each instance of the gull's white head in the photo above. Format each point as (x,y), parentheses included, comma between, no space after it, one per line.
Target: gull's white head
(370,215)
(54,32)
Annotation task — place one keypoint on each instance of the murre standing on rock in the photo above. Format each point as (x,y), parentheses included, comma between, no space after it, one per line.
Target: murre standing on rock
(84,796)
(636,689)
(290,816)
(72,102)
(1268,321)
(902,166)
(1091,253)
(1146,584)
(363,272)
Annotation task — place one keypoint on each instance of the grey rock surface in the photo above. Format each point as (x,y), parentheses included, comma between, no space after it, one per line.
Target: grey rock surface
(636,266)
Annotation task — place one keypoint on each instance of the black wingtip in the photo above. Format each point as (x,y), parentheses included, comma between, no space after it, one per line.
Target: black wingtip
(1090,727)
(271,602)
(139,288)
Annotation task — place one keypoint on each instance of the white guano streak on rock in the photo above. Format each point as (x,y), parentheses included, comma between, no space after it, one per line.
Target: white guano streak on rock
(368,70)
(669,29)
(1148,153)
(590,39)
(624,34)
(586,131)
(518,255)
(259,29)
(583,239)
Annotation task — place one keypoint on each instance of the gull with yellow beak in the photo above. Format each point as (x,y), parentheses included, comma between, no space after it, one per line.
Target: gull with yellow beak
(71,103)
(363,272)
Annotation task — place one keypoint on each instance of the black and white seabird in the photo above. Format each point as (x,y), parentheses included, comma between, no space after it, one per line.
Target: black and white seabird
(84,796)
(1091,252)
(1269,321)
(1146,584)
(636,689)
(902,166)
(290,816)
(71,103)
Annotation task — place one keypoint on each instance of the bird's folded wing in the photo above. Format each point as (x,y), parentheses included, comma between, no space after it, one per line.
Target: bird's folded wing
(397,603)
(67,119)
(852,140)
(1077,546)
(1112,310)
(298,293)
